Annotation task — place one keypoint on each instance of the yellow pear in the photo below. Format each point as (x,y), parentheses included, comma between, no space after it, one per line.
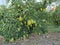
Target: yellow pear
(33,21)
(12,40)
(18,5)
(39,33)
(29,22)
(20,18)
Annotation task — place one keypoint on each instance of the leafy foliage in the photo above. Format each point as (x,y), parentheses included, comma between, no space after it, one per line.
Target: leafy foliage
(21,20)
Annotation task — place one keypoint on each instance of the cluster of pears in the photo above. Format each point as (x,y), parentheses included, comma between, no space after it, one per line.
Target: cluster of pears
(29,21)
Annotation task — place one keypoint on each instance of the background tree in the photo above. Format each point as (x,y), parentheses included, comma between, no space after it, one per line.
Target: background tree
(20,20)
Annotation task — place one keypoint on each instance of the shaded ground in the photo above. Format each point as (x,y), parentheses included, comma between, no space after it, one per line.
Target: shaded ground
(44,39)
